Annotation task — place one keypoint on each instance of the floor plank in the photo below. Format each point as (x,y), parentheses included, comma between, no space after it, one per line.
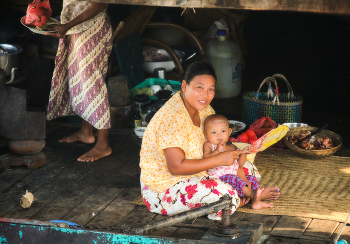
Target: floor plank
(321,228)
(268,221)
(189,233)
(311,242)
(345,235)
(138,217)
(80,190)
(118,209)
(291,225)
(279,240)
(48,192)
(11,176)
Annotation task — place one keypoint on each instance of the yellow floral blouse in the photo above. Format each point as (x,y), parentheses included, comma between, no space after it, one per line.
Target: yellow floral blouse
(170,127)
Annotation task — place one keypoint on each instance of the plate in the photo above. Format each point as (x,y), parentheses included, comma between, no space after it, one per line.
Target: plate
(239,124)
(33,29)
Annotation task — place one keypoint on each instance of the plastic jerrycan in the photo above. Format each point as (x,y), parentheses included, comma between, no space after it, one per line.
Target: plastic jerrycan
(225,56)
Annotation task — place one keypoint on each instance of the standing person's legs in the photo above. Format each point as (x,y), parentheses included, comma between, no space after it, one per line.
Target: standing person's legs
(101,148)
(86,135)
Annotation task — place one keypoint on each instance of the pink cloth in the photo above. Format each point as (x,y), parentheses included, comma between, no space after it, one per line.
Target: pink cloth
(219,171)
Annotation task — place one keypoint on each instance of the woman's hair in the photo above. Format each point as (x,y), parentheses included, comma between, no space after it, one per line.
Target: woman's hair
(198,68)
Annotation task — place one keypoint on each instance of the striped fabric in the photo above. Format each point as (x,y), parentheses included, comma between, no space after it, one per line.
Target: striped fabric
(78,85)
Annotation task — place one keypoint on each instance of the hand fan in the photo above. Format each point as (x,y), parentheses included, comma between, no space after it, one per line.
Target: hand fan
(268,139)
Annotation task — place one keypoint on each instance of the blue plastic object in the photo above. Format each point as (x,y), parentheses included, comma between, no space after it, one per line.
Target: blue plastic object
(221,32)
(71,224)
(342,242)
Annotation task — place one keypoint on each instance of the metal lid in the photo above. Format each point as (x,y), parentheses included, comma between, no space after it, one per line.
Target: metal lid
(10,49)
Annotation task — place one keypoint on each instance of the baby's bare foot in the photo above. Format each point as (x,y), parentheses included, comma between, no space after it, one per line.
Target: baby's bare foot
(260,205)
(269,193)
(256,200)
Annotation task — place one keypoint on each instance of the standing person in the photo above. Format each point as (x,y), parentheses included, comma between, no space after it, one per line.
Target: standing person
(173,170)
(217,133)
(78,85)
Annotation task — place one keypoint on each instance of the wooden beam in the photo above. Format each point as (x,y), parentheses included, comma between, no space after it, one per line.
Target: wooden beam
(314,6)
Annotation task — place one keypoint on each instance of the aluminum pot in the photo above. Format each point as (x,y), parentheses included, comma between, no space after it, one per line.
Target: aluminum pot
(9,57)
(149,66)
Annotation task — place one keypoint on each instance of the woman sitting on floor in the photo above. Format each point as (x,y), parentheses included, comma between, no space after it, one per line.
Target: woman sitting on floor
(173,172)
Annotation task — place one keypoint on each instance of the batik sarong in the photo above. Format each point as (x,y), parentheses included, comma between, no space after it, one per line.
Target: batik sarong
(78,85)
(189,194)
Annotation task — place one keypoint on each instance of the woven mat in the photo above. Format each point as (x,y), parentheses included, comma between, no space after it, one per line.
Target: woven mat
(309,187)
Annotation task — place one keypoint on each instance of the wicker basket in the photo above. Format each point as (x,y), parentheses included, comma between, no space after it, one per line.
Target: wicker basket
(280,107)
(316,154)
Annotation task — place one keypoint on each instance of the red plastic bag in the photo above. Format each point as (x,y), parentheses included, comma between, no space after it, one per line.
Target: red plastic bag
(264,125)
(38,13)
(243,137)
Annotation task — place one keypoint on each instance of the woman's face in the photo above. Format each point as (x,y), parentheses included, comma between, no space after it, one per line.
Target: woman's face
(199,93)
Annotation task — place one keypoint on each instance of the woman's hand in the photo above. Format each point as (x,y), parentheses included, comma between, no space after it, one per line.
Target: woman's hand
(228,158)
(178,165)
(61,31)
(87,14)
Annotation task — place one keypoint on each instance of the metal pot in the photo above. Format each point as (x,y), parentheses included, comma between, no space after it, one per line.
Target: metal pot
(9,57)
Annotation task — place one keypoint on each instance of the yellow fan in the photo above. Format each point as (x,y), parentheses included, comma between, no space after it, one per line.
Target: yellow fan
(268,139)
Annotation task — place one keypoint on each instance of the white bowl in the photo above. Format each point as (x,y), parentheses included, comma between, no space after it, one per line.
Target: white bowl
(293,125)
(240,125)
(139,131)
(149,66)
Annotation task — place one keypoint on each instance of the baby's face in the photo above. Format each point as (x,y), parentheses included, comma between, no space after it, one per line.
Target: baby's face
(217,130)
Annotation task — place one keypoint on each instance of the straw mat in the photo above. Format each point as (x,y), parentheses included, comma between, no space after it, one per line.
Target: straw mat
(313,188)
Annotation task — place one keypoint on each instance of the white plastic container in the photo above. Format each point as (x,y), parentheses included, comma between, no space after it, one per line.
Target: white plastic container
(225,56)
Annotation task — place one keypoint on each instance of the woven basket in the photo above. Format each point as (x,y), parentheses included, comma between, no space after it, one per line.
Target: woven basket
(280,107)
(315,154)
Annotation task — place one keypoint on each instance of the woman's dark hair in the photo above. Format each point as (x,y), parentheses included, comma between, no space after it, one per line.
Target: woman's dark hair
(198,68)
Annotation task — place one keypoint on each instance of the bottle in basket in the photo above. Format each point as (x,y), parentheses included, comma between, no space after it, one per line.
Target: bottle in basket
(137,119)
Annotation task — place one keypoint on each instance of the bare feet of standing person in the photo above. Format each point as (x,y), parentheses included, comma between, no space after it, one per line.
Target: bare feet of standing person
(86,135)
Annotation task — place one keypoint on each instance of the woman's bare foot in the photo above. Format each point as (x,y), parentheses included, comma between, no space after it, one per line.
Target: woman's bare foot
(78,136)
(269,193)
(256,201)
(95,153)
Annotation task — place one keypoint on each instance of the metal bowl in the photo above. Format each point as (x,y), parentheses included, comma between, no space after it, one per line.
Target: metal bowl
(293,125)
(239,124)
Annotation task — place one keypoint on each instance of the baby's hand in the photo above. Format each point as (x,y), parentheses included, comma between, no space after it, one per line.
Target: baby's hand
(247,149)
(220,146)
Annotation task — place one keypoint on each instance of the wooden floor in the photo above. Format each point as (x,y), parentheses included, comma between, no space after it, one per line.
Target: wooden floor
(101,193)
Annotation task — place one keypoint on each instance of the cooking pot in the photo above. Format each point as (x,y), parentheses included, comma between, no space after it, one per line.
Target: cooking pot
(149,66)
(9,57)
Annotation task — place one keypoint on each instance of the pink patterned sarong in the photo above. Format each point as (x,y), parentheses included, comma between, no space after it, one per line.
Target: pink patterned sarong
(78,85)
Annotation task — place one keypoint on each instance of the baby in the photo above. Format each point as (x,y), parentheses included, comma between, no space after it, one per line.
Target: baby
(217,133)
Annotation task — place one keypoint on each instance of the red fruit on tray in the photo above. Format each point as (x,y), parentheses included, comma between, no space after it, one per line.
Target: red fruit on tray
(233,139)
(243,137)
(250,133)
